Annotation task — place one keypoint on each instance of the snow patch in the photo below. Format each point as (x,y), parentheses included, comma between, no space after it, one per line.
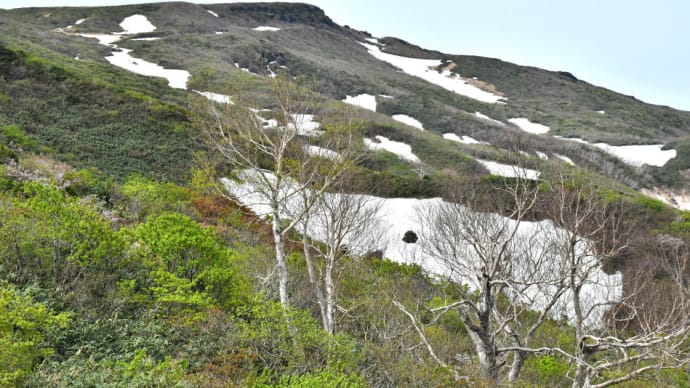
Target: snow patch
(411,121)
(136,24)
(219,98)
(426,69)
(634,155)
(637,155)
(464,139)
(372,40)
(219,32)
(104,39)
(565,159)
(321,152)
(266,28)
(366,101)
(404,151)
(176,78)
(530,127)
(121,57)
(509,171)
(541,155)
(487,118)
(271,73)
(80,21)
(603,112)
(305,125)
(147,39)
(212,13)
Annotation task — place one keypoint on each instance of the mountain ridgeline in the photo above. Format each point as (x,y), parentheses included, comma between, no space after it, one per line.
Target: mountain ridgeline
(124,261)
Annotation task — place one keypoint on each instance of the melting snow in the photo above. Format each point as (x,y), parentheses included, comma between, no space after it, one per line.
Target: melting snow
(529,126)
(411,121)
(426,69)
(464,139)
(104,39)
(565,159)
(136,24)
(401,149)
(271,73)
(266,28)
(395,216)
(305,124)
(321,152)
(637,155)
(366,101)
(634,155)
(212,13)
(487,118)
(220,98)
(509,171)
(176,78)
(121,57)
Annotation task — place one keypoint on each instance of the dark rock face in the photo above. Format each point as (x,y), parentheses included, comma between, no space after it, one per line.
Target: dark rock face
(276,13)
(568,76)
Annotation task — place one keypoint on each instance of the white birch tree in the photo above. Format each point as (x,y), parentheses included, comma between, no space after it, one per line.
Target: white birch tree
(274,162)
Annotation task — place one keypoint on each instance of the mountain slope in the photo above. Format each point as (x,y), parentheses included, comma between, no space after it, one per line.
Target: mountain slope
(214,42)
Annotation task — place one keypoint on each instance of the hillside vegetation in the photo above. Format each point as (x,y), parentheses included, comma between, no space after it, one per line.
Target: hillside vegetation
(124,262)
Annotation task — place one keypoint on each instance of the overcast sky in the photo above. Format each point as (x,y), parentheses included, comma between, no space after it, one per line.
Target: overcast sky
(631,46)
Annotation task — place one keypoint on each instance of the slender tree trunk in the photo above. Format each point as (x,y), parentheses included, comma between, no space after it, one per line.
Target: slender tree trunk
(580,379)
(315,283)
(280,259)
(516,366)
(330,294)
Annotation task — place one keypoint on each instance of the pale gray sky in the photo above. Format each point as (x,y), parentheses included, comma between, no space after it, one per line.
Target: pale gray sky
(634,47)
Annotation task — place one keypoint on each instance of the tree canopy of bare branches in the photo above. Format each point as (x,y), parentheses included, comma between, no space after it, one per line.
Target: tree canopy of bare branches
(276,163)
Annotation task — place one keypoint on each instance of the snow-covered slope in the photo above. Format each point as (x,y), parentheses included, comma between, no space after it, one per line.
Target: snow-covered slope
(396,216)
(427,70)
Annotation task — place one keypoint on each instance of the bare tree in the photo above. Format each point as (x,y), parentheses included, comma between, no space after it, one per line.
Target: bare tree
(339,226)
(492,255)
(617,332)
(274,162)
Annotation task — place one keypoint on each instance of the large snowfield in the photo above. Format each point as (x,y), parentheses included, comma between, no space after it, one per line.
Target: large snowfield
(396,216)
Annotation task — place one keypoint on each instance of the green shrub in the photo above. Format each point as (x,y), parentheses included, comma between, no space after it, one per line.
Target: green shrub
(14,134)
(24,330)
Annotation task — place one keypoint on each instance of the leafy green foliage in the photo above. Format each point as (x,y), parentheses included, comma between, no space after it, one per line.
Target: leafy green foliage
(25,326)
(14,134)
(144,196)
(326,378)
(187,265)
